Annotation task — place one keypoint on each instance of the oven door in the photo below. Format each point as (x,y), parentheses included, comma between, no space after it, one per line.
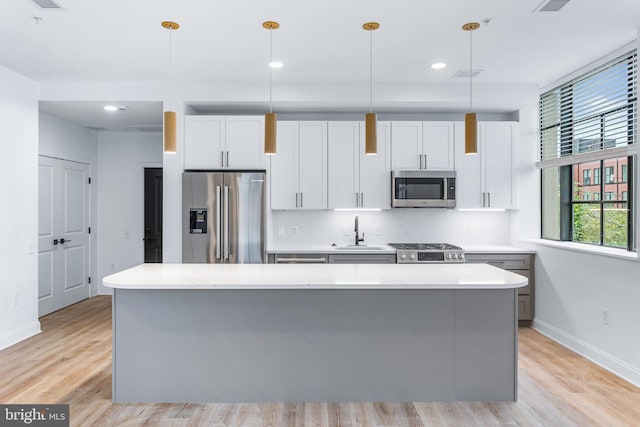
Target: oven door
(414,189)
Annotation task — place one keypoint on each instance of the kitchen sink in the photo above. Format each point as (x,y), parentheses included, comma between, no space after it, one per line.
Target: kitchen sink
(360,248)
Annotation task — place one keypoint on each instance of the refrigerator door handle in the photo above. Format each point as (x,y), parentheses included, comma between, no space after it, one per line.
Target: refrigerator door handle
(226,222)
(218,220)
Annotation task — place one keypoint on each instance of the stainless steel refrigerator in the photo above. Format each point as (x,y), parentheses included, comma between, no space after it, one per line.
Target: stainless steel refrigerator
(223,215)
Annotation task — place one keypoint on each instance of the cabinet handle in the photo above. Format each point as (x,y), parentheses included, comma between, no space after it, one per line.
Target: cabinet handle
(227,159)
(425,161)
(302,260)
(301,200)
(296,200)
(489,199)
(483,199)
(222,159)
(357,201)
(420,159)
(362,200)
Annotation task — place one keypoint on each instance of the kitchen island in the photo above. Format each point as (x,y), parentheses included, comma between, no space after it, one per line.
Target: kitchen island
(309,333)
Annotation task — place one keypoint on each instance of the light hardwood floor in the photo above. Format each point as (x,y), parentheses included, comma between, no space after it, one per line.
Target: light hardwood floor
(70,362)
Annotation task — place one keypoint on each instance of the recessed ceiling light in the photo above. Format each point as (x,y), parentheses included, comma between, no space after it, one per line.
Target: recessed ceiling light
(276,64)
(438,65)
(110,108)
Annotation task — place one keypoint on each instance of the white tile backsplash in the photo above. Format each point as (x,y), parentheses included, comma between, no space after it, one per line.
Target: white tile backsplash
(389,226)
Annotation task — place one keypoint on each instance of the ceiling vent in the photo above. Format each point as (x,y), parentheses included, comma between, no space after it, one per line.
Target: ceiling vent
(47,4)
(465,74)
(551,5)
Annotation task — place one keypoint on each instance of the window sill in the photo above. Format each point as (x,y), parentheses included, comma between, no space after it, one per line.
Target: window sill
(580,247)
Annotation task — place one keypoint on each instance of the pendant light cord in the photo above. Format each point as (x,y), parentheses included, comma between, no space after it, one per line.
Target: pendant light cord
(270,68)
(470,71)
(170,68)
(371,71)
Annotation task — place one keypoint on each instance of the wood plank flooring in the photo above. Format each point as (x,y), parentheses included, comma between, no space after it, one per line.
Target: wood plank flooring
(70,362)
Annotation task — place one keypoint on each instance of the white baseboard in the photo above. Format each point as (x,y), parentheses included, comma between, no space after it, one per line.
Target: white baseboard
(616,366)
(20,334)
(104,291)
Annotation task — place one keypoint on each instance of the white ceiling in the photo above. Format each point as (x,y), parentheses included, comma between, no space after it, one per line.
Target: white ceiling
(319,42)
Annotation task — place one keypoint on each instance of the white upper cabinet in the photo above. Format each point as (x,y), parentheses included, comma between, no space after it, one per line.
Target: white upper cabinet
(487,179)
(224,142)
(298,170)
(357,180)
(422,146)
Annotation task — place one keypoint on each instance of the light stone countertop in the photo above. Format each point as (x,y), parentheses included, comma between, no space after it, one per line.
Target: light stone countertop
(328,249)
(315,276)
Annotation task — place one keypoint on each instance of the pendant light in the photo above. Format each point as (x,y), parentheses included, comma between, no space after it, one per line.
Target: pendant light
(270,118)
(470,119)
(170,116)
(370,129)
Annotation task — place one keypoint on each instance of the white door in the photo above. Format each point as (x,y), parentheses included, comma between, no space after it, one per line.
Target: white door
(204,138)
(438,146)
(406,143)
(313,165)
(284,167)
(375,170)
(245,142)
(497,150)
(343,144)
(63,234)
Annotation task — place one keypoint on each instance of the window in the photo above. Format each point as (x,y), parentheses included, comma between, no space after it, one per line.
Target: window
(589,124)
(609,177)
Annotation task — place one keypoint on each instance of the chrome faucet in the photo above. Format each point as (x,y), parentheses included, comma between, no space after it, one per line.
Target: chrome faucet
(358,238)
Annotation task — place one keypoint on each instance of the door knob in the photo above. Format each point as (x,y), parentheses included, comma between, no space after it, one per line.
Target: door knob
(55,242)
(64,241)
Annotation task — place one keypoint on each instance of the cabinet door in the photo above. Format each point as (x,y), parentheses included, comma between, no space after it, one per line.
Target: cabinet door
(284,167)
(438,146)
(375,170)
(468,173)
(406,146)
(343,146)
(203,142)
(313,165)
(497,149)
(245,143)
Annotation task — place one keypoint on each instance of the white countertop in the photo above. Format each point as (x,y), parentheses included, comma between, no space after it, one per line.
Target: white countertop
(496,249)
(315,276)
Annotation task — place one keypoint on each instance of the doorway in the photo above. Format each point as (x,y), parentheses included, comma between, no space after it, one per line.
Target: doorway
(152,214)
(63,233)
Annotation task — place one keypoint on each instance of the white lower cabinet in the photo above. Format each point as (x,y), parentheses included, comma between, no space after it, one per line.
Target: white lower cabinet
(298,170)
(357,180)
(487,179)
(224,142)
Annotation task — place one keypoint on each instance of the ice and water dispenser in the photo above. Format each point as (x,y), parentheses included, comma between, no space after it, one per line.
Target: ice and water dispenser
(198,221)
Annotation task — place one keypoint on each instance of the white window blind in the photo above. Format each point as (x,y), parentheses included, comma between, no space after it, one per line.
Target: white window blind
(590,114)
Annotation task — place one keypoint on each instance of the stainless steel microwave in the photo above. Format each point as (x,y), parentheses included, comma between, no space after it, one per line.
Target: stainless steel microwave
(423,189)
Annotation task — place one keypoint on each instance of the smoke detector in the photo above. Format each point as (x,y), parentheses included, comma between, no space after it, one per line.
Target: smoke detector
(47,4)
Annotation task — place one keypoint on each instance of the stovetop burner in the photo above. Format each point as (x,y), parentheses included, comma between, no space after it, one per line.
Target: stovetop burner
(425,246)
(427,253)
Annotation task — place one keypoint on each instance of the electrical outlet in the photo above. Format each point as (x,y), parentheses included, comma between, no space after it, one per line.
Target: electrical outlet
(113,267)
(16,299)
(346,230)
(472,229)
(281,230)
(127,234)
(31,248)
(378,230)
(605,316)
(294,230)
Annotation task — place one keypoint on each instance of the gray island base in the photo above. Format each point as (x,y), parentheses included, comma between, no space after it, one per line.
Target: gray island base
(315,345)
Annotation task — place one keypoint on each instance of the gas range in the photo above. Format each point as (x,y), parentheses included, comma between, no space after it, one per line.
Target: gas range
(415,253)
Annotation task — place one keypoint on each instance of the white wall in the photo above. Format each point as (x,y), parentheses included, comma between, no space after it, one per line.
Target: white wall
(64,140)
(19,212)
(122,157)
(572,288)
